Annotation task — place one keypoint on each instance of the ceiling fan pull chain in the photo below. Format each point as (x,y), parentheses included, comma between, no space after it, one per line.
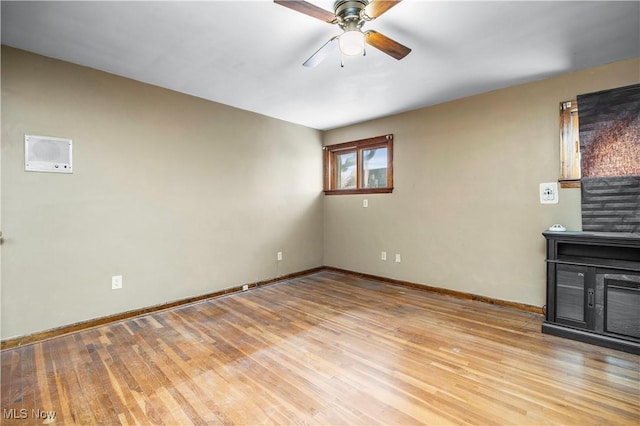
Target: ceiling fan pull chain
(341,61)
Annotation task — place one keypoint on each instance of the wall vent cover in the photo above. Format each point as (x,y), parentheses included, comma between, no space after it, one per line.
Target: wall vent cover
(47,154)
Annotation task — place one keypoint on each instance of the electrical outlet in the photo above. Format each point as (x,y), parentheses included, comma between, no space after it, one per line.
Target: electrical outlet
(279,255)
(398,258)
(245,287)
(116,282)
(383,255)
(365,203)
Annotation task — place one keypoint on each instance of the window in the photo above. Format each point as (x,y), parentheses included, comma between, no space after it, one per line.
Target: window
(569,145)
(359,167)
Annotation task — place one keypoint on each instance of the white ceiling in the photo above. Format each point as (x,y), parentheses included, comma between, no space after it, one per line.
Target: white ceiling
(249,54)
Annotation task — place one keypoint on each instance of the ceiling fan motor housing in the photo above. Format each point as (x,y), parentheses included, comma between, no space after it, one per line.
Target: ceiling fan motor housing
(350,13)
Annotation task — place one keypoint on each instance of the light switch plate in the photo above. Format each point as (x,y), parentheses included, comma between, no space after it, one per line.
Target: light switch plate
(549,193)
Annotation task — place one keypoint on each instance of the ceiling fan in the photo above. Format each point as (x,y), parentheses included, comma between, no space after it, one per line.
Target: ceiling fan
(350,16)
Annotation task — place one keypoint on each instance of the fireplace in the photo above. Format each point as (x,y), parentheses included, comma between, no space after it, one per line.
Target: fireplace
(593,276)
(593,288)
(610,159)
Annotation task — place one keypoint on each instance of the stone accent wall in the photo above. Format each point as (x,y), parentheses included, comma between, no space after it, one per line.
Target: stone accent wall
(611,204)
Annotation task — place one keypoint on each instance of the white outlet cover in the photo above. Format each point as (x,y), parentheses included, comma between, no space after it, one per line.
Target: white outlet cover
(549,193)
(383,255)
(116,282)
(365,203)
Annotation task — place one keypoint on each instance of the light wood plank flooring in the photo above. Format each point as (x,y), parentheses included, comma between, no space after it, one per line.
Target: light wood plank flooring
(324,349)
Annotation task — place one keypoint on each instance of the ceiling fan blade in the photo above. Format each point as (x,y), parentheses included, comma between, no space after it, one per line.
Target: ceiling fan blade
(378,7)
(385,44)
(308,9)
(322,53)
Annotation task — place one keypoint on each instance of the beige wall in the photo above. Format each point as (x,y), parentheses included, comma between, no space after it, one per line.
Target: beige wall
(184,197)
(465,213)
(179,195)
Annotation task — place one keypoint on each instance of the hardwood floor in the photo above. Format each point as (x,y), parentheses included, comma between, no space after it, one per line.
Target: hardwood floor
(323,349)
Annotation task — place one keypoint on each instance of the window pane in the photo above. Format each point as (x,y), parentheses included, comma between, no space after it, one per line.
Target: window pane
(374,168)
(569,141)
(346,178)
(359,167)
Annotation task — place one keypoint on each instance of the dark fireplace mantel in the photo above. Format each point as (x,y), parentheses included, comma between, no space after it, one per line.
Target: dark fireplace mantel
(593,288)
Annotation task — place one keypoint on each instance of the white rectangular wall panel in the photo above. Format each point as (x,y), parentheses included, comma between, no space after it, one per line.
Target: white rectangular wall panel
(47,154)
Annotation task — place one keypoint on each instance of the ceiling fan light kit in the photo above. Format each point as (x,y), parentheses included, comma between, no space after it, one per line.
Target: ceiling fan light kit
(350,16)
(352,42)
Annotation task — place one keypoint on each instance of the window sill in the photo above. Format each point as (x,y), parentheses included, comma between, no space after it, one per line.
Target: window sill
(358,191)
(569,183)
